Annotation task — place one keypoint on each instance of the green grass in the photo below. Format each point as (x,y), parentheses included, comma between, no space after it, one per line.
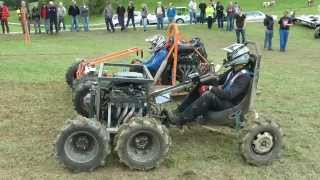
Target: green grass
(36,102)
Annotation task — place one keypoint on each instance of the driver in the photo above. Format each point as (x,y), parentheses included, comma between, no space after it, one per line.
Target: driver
(159,53)
(226,91)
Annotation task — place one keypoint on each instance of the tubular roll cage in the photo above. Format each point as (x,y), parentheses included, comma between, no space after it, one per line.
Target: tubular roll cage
(173,40)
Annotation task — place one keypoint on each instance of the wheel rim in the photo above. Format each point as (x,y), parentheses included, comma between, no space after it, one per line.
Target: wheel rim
(86,100)
(263,143)
(81,147)
(143,146)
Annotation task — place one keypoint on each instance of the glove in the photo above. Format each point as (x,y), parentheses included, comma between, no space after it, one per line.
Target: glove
(214,89)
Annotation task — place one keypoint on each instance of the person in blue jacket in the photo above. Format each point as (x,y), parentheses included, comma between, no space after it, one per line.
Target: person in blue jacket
(159,53)
(171,13)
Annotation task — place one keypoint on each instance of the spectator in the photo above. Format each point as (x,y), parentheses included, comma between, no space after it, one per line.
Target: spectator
(171,13)
(202,7)
(84,13)
(192,11)
(220,14)
(23,12)
(268,23)
(213,3)
(237,8)
(74,12)
(108,15)
(240,27)
(4,18)
(160,13)
(144,16)
(210,14)
(230,16)
(61,14)
(35,16)
(44,19)
(130,12)
(1,5)
(285,23)
(121,12)
(52,13)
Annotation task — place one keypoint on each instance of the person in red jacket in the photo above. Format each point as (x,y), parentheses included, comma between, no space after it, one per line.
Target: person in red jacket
(44,17)
(4,18)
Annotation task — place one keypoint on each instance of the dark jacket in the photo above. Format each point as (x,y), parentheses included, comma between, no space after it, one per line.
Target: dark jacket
(121,11)
(237,90)
(52,11)
(74,11)
(0,13)
(268,23)
(220,9)
(202,7)
(130,11)
(283,21)
(35,14)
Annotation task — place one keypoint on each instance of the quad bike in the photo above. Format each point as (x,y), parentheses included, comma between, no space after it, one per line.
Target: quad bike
(184,58)
(124,111)
(317,33)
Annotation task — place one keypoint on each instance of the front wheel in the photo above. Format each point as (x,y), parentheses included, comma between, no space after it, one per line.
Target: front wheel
(71,74)
(261,143)
(143,143)
(82,145)
(317,33)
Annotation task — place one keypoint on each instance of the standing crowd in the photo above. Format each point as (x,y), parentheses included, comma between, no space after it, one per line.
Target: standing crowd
(52,16)
(236,21)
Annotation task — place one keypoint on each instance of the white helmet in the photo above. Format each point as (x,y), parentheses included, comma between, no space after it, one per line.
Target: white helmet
(157,42)
(236,54)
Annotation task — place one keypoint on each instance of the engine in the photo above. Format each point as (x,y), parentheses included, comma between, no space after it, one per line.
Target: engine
(191,58)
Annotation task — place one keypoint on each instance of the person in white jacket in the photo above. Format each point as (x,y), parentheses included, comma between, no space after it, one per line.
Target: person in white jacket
(61,13)
(192,11)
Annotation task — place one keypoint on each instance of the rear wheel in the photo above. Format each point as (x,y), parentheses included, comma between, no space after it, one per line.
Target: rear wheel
(71,74)
(82,99)
(317,33)
(261,143)
(82,145)
(143,143)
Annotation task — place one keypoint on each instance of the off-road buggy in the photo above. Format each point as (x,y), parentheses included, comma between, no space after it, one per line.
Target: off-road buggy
(312,21)
(184,58)
(317,33)
(124,112)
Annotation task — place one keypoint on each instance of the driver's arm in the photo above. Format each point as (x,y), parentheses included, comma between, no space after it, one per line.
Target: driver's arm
(239,86)
(217,81)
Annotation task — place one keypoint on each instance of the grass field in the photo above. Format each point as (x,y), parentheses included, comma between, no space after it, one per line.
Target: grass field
(35,102)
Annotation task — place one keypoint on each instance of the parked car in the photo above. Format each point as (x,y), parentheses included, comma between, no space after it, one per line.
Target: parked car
(181,17)
(137,19)
(252,16)
(257,16)
(312,21)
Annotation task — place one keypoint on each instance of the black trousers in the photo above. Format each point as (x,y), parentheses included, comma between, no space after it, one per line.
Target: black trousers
(202,17)
(5,26)
(210,21)
(132,21)
(195,105)
(109,24)
(53,21)
(220,21)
